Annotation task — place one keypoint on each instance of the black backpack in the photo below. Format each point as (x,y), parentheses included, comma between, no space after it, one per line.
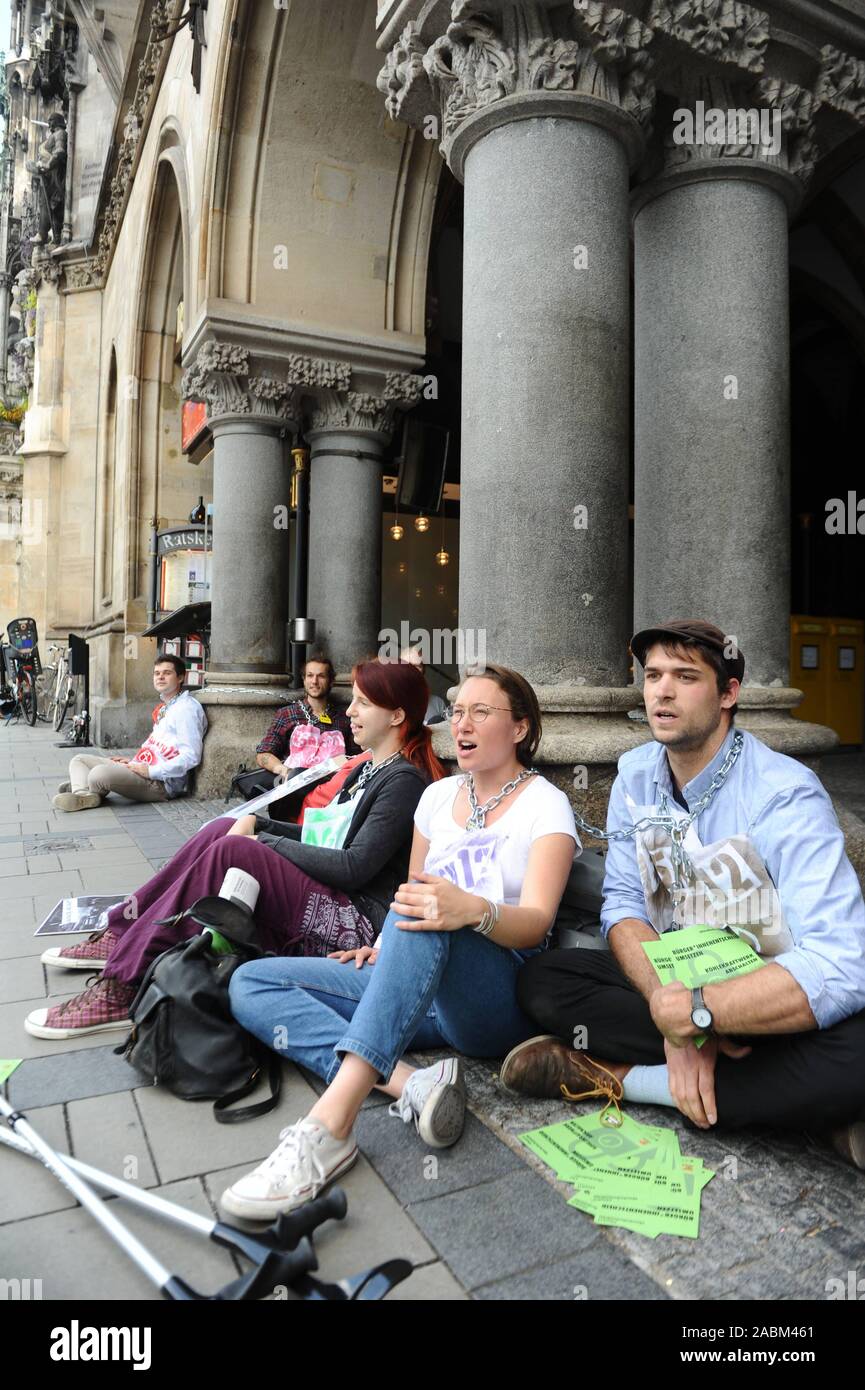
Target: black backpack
(184,1035)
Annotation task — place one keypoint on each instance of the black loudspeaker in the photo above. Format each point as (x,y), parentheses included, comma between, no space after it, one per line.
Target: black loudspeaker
(422,464)
(79,655)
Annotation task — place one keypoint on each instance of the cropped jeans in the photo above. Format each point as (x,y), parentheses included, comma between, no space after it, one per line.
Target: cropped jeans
(427,989)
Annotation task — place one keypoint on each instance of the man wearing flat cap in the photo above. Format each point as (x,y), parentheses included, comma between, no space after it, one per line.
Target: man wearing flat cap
(706,825)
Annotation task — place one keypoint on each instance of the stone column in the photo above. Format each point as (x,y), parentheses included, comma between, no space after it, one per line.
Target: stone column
(249,587)
(250,414)
(542,115)
(712,414)
(348,432)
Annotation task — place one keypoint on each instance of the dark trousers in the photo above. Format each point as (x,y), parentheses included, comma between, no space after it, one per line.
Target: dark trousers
(809,1080)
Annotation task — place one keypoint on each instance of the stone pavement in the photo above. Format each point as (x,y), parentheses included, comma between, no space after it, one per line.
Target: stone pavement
(480,1221)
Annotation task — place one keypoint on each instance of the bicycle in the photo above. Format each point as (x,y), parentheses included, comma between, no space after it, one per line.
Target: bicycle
(19,671)
(57,689)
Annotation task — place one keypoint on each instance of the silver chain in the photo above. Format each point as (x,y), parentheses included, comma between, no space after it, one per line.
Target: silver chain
(676,827)
(368,771)
(478,814)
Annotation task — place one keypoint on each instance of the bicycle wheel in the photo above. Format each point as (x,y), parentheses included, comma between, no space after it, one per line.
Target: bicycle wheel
(27,696)
(45,694)
(65,696)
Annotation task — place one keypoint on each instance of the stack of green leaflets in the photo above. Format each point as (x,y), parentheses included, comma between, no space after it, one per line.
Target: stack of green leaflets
(700,956)
(630,1175)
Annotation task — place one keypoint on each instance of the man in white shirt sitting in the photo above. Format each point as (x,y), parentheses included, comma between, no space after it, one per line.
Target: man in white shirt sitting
(160,769)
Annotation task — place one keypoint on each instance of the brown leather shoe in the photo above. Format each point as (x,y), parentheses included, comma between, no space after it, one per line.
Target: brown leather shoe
(547,1067)
(849,1142)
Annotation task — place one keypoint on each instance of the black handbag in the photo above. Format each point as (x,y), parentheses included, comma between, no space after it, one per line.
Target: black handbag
(249,782)
(184,1035)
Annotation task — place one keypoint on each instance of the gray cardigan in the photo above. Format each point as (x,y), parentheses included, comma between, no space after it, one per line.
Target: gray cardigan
(374,858)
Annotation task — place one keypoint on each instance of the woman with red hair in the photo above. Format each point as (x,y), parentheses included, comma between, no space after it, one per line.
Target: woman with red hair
(315,898)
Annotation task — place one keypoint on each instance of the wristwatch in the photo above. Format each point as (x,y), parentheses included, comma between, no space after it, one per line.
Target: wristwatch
(701,1014)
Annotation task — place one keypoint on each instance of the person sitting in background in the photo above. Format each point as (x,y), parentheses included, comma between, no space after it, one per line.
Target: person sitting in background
(314,712)
(159,771)
(437,709)
(326,890)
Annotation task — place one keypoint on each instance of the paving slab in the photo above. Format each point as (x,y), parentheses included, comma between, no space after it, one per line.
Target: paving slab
(94,858)
(124,879)
(598,1273)
(415,1173)
(17,937)
(375,1228)
(62,885)
(43,864)
(21,978)
(501,1228)
(69,1076)
(184,1136)
(27,1188)
(107,1132)
(77,1261)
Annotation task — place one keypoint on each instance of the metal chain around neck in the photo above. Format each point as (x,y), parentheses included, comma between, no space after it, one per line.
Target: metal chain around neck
(478,814)
(368,771)
(676,827)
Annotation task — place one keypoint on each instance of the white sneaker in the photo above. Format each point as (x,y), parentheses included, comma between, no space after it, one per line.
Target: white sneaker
(435,1098)
(306,1159)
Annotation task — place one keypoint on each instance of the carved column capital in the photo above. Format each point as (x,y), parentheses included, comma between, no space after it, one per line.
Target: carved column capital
(722,33)
(228,380)
(369,412)
(508,61)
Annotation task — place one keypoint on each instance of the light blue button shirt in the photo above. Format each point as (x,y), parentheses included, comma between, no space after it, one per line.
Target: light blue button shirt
(787,815)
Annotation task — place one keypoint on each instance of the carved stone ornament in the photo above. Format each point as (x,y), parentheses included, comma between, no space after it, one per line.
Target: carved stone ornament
(318,371)
(841,83)
(112,210)
(362,410)
(222,378)
(723,31)
(82,275)
(482,57)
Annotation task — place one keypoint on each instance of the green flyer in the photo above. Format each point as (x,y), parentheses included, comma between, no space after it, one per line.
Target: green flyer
(7,1067)
(700,956)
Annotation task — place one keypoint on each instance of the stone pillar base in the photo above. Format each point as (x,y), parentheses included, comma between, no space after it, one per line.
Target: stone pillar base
(766,712)
(239,709)
(587,729)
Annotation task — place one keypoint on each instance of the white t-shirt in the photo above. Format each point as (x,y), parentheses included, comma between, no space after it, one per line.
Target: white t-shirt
(491,862)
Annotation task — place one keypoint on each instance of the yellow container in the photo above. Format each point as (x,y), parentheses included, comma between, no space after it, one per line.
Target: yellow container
(846,688)
(809,666)
(827,661)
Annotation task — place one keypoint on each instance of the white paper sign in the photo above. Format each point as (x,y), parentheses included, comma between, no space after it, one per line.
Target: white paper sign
(472,862)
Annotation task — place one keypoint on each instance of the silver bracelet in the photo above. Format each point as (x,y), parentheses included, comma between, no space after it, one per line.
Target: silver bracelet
(490,919)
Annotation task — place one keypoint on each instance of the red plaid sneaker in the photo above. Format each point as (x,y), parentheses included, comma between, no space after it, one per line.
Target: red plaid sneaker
(101,1008)
(91,954)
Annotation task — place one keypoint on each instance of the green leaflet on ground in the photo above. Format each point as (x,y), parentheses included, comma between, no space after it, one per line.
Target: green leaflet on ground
(7,1067)
(700,956)
(575,1144)
(629,1175)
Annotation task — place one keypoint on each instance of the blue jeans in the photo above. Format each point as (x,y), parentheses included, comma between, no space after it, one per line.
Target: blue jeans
(426,990)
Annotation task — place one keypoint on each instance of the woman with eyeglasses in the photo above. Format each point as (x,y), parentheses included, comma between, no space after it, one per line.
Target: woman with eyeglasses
(492,850)
(320,889)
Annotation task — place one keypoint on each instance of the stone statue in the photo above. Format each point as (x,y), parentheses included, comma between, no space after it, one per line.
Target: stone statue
(49,170)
